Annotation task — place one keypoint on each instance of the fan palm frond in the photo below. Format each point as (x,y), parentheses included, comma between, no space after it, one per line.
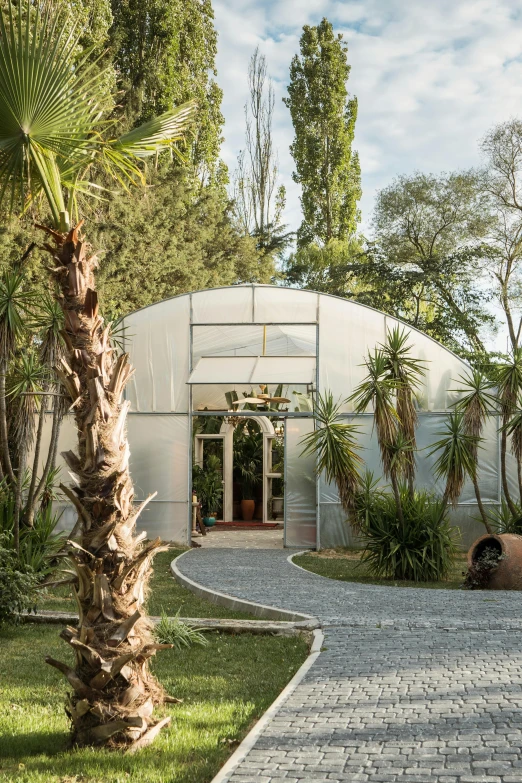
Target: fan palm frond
(52,108)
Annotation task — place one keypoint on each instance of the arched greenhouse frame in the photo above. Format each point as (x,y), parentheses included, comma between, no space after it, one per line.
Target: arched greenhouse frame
(193,351)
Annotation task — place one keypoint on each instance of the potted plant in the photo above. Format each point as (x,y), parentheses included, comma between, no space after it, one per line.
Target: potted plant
(248,459)
(208,485)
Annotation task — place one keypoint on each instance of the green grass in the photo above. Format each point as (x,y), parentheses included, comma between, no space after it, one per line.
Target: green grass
(166,594)
(224,686)
(344,564)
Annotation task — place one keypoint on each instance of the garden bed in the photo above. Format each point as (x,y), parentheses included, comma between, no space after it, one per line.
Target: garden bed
(345,565)
(225,687)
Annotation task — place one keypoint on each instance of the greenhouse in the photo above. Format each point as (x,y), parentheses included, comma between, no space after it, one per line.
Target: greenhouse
(199,359)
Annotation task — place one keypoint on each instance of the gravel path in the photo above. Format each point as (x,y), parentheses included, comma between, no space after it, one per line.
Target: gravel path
(413,686)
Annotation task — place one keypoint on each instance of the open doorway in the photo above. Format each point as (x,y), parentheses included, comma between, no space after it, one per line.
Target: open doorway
(238,469)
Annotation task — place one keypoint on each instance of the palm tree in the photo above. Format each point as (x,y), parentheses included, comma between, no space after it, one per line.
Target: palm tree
(53,140)
(475,403)
(509,384)
(334,444)
(456,461)
(379,390)
(405,373)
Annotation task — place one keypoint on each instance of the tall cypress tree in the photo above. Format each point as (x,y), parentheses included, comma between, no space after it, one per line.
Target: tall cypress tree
(324,118)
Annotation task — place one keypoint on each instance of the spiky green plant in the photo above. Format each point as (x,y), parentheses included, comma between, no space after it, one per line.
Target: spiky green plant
(334,444)
(476,401)
(509,384)
(456,461)
(377,391)
(420,548)
(406,373)
(15,301)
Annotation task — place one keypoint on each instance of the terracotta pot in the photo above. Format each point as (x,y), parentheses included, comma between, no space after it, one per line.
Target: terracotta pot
(247,509)
(508,574)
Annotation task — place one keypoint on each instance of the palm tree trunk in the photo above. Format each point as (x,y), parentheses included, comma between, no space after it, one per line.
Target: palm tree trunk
(4,434)
(30,503)
(22,459)
(397,494)
(49,464)
(519,474)
(480,504)
(114,692)
(505,488)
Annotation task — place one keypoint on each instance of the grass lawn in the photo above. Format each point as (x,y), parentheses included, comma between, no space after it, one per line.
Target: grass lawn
(344,564)
(166,594)
(224,687)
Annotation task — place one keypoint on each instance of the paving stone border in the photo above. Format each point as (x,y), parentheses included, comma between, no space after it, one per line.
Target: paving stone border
(221,625)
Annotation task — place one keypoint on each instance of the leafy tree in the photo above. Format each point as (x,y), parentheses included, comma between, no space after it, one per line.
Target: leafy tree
(327,268)
(51,146)
(164,52)
(428,255)
(176,238)
(502,182)
(324,121)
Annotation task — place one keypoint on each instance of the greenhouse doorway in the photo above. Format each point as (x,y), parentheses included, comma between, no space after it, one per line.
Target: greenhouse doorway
(238,467)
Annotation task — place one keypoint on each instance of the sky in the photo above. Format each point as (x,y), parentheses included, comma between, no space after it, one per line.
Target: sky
(431,77)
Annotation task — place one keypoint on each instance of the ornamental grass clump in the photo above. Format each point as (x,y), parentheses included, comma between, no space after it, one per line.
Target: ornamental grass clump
(420,548)
(173,631)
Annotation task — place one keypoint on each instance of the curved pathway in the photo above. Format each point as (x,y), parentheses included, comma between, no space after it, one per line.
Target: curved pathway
(412,686)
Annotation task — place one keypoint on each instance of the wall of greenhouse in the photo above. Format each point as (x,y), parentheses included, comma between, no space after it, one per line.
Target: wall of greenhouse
(189,351)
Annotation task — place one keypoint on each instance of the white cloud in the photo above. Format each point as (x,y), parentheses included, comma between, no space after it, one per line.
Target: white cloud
(430,78)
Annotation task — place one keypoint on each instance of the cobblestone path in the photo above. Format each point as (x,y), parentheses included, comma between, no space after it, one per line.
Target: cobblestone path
(413,686)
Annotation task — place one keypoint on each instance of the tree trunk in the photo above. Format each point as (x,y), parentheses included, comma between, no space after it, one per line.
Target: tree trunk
(58,412)
(480,505)
(503,473)
(397,494)
(113,691)
(4,435)
(30,503)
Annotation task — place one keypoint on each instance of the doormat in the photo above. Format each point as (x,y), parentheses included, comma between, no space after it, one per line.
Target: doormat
(246,526)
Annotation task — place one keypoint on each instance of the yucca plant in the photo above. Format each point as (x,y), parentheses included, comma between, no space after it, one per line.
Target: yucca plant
(406,373)
(456,461)
(509,384)
(334,444)
(24,390)
(377,391)
(419,549)
(477,400)
(54,137)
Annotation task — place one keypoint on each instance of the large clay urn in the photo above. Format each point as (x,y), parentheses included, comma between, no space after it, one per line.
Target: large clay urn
(247,509)
(508,574)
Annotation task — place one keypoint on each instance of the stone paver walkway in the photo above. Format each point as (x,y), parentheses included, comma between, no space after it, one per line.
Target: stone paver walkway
(241,539)
(413,686)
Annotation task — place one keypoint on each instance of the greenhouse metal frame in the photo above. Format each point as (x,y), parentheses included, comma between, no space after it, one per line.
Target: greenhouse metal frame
(190,349)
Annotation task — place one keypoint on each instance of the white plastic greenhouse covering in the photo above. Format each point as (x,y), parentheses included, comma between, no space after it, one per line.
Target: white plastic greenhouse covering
(189,350)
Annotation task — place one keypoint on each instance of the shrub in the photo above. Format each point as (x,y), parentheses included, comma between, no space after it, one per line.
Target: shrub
(502,520)
(419,550)
(17,587)
(39,544)
(171,630)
